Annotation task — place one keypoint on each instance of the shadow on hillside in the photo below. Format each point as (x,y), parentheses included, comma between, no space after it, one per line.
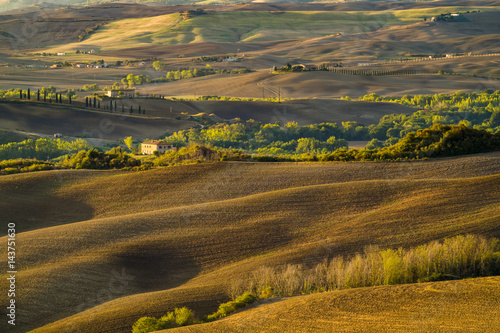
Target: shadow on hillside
(32,202)
(156,266)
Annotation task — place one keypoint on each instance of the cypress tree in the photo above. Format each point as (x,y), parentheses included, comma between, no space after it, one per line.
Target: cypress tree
(98,104)
(38,95)
(21,94)
(111,105)
(95,101)
(115,106)
(140,109)
(29,93)
(45,96)
(86,102)
(131,109)
(69,98)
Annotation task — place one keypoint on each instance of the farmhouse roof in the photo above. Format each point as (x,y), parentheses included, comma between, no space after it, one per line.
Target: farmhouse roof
(156,142)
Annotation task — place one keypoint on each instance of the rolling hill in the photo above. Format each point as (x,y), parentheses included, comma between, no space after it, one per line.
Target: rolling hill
(178,234)
(429,307)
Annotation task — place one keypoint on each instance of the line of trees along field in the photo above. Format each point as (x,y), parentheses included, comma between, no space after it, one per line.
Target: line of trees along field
(453,258)
(186,73)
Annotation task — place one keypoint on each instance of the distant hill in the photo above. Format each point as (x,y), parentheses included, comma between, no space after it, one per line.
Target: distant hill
(6,5)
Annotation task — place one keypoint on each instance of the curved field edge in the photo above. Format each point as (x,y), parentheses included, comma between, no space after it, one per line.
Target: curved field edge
(449,306)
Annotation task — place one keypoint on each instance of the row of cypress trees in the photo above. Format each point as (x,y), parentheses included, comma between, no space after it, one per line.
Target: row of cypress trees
(27,95)
(375,72)
(93,102)
(89,101)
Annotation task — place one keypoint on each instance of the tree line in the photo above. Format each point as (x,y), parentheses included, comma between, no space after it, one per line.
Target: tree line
(452,258)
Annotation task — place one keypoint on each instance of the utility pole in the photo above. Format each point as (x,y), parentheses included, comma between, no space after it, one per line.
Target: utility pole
(279,95)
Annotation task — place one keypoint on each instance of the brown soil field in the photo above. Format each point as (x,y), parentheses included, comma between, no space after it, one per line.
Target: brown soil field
(479,36)
(102,127)
(48,120)
(181,233)
(452,306)
(319,84)
(304,112)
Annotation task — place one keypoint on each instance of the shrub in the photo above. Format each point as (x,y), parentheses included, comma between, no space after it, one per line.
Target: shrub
(227,308)
(178,317)
(145,324)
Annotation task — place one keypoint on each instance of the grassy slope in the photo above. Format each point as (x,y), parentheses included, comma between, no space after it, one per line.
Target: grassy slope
(452,306)
(182,232)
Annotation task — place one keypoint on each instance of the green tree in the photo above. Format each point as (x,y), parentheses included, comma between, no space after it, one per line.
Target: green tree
(308,145)
(495,119)
(145,325)
(158,65)
(129,142)
(374,144)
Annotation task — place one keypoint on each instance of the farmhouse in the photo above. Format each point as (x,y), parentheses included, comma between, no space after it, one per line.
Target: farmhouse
(149,147)
(116,92)
(308,67)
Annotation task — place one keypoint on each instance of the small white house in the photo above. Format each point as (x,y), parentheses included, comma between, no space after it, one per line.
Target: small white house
(58,135)
(116,92)
(61,53)
(149,147)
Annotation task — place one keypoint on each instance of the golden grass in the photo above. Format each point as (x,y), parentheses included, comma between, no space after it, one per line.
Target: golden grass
(184,232)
